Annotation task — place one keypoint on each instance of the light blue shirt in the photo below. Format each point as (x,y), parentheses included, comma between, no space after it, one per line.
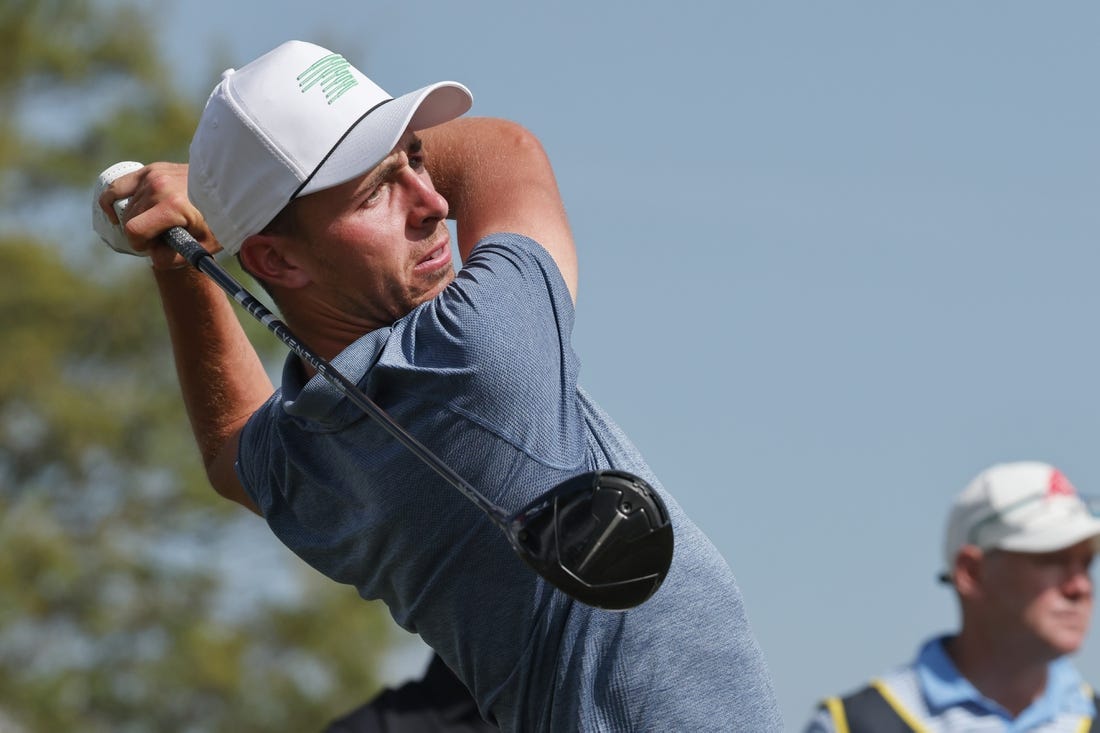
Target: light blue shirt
(485,376)
(933,690)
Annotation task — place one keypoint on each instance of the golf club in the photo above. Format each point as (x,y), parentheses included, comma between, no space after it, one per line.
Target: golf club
(603,537)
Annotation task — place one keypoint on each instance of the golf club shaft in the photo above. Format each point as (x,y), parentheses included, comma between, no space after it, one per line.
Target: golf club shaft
(194,253)
(602,537)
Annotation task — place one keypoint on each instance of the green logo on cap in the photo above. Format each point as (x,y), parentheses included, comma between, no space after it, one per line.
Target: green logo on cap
(333,73)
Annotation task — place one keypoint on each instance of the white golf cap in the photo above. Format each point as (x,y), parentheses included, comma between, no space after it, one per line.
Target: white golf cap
(1024,507)
(296,120)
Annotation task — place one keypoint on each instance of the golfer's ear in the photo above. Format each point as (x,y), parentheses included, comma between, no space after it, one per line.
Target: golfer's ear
(266,257)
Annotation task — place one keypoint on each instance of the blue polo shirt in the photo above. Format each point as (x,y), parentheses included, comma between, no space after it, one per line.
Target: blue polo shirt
(485,375)
(945,688)
(941,699)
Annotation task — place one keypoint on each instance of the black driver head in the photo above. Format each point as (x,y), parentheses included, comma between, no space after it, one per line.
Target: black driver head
(603,537)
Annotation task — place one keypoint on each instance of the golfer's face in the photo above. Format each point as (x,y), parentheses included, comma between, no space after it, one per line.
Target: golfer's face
(379,245)
(1047,595)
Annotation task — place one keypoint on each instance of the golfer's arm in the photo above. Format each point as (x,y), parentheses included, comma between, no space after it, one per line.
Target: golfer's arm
(496,177)
(222,379)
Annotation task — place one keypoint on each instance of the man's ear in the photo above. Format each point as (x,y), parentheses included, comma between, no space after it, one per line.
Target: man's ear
(968,575)
(269,257)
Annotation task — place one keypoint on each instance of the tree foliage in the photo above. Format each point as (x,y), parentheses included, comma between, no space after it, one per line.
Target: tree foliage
(131,598)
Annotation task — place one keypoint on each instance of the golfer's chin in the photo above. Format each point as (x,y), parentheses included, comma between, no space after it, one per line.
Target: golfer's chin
(436,284)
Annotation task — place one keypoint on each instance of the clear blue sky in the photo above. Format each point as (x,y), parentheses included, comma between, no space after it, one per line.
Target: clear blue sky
(836,257)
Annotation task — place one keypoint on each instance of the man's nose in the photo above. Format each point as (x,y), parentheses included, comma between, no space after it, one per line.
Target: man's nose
(426,204)
(1078,583)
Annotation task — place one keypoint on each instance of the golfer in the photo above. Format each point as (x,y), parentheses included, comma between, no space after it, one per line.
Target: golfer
(334,196)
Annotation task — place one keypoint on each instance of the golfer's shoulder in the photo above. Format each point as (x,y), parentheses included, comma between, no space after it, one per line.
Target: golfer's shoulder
(508,296)
(511,259)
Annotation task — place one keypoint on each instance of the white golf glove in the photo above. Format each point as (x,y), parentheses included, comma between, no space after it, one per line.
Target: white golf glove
(107,230)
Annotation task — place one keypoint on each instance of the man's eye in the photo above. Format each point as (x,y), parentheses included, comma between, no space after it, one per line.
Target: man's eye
(416,162)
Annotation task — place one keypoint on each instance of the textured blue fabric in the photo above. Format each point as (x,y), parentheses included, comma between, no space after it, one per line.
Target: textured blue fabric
(486,377)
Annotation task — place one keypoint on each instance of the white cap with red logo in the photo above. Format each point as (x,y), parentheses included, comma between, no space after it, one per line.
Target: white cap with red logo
(1024,507)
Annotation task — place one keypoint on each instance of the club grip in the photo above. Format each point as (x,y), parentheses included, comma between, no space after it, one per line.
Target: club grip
(186,245)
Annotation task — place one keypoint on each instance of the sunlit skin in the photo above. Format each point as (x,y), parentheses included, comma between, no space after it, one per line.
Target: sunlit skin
(359,255)
(1041,603)
(1020,612)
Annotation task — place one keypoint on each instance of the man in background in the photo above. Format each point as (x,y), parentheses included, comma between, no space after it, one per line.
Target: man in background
(1018,548)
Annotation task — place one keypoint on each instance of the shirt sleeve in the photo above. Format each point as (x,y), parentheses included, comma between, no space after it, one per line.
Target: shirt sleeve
(257,445)
(498,342)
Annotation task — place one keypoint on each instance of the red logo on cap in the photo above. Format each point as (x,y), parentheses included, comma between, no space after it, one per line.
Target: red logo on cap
(1060,485)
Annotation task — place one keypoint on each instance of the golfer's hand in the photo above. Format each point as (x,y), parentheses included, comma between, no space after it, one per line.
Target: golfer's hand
(157,202)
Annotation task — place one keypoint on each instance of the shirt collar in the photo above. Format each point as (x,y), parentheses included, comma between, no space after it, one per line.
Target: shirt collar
(317,400)
(940,680)
(945,687)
